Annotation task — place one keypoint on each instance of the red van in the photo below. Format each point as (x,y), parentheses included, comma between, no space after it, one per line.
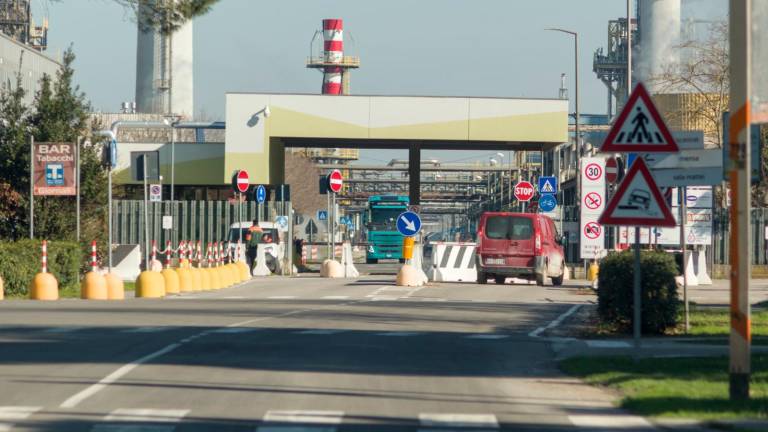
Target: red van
(524,245)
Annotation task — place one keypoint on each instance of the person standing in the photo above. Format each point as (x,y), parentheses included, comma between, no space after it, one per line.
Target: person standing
(253,238)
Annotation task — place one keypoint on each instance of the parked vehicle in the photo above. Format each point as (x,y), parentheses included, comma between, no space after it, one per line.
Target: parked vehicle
(384,241)
(523,245)
(273,250)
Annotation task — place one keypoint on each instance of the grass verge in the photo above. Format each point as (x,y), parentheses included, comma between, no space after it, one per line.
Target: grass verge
(694,388)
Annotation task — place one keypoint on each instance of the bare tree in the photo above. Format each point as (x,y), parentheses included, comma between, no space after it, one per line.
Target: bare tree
(703,70)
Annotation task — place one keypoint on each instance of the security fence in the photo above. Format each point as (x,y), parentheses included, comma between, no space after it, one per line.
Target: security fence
(721,232)
(204,221)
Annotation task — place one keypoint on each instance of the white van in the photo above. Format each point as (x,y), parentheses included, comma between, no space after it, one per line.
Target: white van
(274,251)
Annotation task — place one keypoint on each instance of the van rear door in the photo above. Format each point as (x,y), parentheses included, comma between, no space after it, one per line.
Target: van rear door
(510,236)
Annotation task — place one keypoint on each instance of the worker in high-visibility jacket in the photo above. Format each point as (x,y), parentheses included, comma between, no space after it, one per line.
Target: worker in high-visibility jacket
(252,240)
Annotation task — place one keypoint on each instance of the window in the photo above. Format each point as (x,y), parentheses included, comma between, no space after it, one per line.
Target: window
(509,228)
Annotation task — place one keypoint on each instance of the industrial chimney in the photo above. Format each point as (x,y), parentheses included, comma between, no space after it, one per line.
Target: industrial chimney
(332,62)
(659,31)
(164,69)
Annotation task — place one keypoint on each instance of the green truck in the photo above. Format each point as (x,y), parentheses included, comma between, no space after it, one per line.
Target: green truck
(384,241)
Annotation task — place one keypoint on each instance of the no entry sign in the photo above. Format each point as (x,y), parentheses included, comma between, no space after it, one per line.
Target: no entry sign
(241,181)
(524,191)
(611,170)
(335,181)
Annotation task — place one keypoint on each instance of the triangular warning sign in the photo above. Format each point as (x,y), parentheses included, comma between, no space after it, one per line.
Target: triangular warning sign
(639,127)
(547,187)
(638,202)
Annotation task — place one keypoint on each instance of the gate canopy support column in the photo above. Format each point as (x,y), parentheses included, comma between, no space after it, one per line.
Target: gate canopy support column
(414,172)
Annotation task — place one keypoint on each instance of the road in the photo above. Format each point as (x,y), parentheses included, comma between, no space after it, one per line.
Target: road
(297,354)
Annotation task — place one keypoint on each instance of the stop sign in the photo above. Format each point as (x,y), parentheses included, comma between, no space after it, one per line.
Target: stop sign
(611,170)
(524,191)
(335,181)
(241,181)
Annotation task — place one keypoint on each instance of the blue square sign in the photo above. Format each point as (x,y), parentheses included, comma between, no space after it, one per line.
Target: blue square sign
(548,185)
(54,174)
(322,215)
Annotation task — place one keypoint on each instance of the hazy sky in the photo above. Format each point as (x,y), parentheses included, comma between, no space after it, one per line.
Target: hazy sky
(407,47)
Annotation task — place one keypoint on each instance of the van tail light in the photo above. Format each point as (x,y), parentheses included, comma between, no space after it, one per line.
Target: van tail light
(479,238)
(537,244)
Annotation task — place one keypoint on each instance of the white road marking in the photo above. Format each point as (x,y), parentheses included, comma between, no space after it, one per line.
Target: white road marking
(611,422)
(281,297)
(432,299)
(320,332)
(398,334)
(141,420)
(474,421)
(299,416)
(556,322)
(10,414)
(608,344)
(487,336)
(385,298)
(336,297)
(59,330)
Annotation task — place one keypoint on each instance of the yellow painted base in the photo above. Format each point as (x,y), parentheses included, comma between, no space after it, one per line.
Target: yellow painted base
(150,284)
(245,272)
(93,287)
(44,287)
(205,279)
(215,279)
(185,280)
(171,281)
(115,287)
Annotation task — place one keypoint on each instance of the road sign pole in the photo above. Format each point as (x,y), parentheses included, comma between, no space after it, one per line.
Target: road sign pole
(637,299)
(740,26)
(146,214)
(333,226)
(683,216)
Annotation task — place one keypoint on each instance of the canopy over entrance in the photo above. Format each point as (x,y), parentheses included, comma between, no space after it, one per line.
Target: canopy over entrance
(261,126)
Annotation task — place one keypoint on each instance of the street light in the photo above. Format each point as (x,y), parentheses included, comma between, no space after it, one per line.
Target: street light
(576,101)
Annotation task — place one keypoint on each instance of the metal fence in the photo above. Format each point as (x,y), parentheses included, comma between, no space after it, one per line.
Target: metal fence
(721,231)
(206,221)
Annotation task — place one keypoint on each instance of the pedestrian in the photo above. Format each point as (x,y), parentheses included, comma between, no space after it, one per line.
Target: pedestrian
(253,238)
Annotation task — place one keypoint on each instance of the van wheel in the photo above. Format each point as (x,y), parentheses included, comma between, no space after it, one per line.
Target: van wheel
(500,279)
(482,278)
(371,261)
(557,281)
(540,278)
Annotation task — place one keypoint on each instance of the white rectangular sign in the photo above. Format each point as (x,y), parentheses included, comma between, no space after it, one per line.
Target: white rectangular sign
(686,159)
(155,193)
(591,233)
(667,177)
(699,197)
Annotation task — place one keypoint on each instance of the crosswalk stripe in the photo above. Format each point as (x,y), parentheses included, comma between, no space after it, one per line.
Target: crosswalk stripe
(611,422)
(141,420)
(10,414)
(477,422)
(300,421)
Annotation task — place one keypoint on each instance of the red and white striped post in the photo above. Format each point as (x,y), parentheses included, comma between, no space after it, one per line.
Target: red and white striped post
(94,262)
(208,254)
(217,253)
(199,257)
(168,254)
(154,252)
(182,252)
(237,252)
(44,258)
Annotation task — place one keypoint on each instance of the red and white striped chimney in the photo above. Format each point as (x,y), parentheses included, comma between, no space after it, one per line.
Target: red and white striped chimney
(333,38)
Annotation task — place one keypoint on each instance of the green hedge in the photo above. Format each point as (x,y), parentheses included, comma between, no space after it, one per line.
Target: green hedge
(20,262)
(659,292)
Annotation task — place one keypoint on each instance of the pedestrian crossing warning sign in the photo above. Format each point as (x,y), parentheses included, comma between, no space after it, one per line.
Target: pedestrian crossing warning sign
(548,188)
(639,128)
(638,201)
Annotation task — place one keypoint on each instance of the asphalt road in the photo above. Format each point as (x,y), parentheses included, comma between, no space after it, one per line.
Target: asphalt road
(298,354)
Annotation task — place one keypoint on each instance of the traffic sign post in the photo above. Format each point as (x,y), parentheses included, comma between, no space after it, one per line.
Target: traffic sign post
(547,203)
(155,193)
(261,194)
(523,191)
(548,185)
(591,233)
(409,223)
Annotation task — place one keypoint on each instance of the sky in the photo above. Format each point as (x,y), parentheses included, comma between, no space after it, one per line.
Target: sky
(496,48)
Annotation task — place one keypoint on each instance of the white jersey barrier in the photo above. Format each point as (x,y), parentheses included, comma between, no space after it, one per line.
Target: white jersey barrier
(347,261)
(453,262)
(701,268)
(690,273)
(260,268)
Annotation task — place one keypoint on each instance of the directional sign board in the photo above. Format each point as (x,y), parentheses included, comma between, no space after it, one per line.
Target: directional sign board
(261,194)
(548,185)
(547,203)
(408,223)
(322,215)
(639,127)
(638,201)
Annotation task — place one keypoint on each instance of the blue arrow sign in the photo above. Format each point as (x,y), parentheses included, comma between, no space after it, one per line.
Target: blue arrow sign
(408,223)
(322,215)
(547,185)
(547,202)
(282,222)
(261,194)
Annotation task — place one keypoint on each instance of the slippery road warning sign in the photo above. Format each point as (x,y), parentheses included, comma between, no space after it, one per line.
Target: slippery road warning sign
(639,127)
(638,202)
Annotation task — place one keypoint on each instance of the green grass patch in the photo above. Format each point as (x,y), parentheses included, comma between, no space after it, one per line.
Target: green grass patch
(694,388)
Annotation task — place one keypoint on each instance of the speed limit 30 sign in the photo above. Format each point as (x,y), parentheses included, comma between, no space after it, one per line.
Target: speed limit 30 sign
(593,174)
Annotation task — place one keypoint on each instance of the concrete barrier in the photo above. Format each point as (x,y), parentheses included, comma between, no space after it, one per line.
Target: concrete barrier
(185,280)
(261,269)
(690,273)
(347,262)
(93,287)
(115,287)
(701,269)
(214,278)
(205,280)
(44,285)
(172,283)
(2,288)
(127,261)
(150,284)
(245,272)
(453,262)
(331,269)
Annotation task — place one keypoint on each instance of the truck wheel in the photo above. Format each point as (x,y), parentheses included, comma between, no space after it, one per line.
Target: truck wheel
(540,278)
(401,260)
(500,279)
(482,278)
(557,281)
(371,261)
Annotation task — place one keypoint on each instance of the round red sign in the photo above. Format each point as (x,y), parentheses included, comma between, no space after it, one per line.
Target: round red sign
(242,182)
(335,181)
(524,191)
(611,170)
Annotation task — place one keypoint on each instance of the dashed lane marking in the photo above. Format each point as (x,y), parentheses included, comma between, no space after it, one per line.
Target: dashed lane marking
(234,330)
(556,322)
(301,421)
(611,422)
(11,414)
(141,420)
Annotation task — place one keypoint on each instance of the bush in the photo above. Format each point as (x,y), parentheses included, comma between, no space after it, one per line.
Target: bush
(20,262)
(659,292)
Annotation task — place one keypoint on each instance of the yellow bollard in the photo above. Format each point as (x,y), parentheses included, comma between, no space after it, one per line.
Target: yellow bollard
(245,272)
(44,287)
(2,288)
(197,279)
(93,287)
(184,263)
(115,287)
(408,243)
(185,279)
(226,279)
(205,279)
(235,273)
(150,284)
(171,279)
(214,278)
(593,271)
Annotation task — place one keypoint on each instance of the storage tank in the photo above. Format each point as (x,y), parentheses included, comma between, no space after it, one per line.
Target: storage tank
(659,34)
(164,70)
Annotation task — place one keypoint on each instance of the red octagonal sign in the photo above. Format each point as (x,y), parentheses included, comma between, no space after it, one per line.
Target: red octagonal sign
(524,191)
(335,181)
